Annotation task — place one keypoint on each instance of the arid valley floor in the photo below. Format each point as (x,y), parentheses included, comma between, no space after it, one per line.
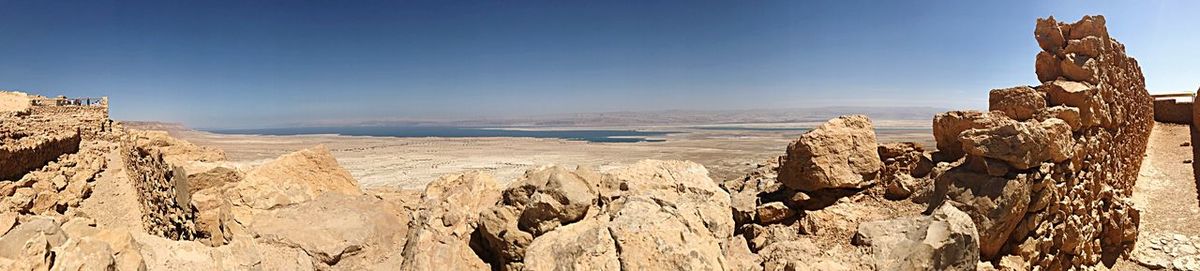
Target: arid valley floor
(410,163)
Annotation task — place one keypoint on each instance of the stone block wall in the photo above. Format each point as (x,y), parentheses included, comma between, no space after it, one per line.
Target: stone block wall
(160,186)
(1173,111)
(1053,187)
(22,152)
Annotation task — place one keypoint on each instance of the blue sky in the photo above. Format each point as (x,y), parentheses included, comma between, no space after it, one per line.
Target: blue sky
(222,64)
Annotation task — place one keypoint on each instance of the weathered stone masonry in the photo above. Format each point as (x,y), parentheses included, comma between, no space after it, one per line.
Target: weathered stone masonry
(1053,187)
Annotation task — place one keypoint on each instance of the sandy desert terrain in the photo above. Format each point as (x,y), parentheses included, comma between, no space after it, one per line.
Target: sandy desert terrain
(410,163)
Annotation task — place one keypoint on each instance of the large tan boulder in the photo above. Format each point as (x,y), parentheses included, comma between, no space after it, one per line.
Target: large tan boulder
(335,227)
(1018,103)
(664,215)
(440,233)
(840,153)
(586,245)
(1082,96)
(1022,144)
(945,240)
(543,200)
(241,254)
(947,127)
(294,178)
(995,204)
(28,246)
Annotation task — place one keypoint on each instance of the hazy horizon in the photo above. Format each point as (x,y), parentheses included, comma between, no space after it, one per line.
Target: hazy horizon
(267,63)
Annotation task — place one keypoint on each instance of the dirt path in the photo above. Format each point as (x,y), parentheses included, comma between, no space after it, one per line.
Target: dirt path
(1166,194)
(113,202)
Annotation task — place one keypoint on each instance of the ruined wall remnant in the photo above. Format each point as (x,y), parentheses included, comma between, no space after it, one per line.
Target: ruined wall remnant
(24,151)
(166,211)
(1052,186)
(1173,108)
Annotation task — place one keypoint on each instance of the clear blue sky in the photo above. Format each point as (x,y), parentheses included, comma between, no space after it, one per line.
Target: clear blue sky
(223,64)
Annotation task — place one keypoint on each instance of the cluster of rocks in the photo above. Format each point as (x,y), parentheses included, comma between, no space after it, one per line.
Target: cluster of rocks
(57,186)
(22,150)
(653,215)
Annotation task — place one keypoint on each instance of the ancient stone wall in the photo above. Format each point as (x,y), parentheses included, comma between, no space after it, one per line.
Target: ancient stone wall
(91,120)
(1053,187)
(21,152)
(1172,110)
(162,192)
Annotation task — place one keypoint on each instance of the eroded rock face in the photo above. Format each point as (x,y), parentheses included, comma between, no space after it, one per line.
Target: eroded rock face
(838,154)
(334,226)
(1019,103)
(995,204)
(440,233)
(542,201)
(294,178)
(1021,144)
(947,127)
(662,215)
(945,240)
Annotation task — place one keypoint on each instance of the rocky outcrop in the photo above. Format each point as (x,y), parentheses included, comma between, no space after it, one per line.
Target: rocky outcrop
(1053,189)
(660,215)
(57,187)
(442,227)
(945,240)
(294,178)
(542,201)
(1022,144)
(947,126)
(332,227)
(838,154)
(1019,103)
(24,151)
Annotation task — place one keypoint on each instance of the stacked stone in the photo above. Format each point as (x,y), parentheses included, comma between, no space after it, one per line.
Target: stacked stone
(904,164)
(165,212)
(1047,175)
(25,150)
(56,187)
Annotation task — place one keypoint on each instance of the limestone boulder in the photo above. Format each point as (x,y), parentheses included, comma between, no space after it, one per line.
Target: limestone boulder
(840,153)
(1067,114)
(84,254)
(1047,67)
(945,240)
(995,204)
(1048,35)
(799,254)
(214,216)
(663,215)
(543,200)
(334,227)
(1082,96)
(1022,144)
(586,245)
(242,254)
(1018,103)
(294,178)
(947,127)
(28,246)
(440,232)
